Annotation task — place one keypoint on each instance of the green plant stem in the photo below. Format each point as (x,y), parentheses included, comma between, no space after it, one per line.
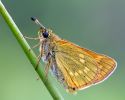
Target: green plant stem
(29,53)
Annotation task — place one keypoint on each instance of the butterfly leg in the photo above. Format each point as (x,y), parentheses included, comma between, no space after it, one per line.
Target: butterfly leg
(49,63)
(40,55)
(35,46)
(31,38)
(39,58)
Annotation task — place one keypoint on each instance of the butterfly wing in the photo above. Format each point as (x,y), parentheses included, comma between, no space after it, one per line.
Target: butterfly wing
(106,65)
(81,67)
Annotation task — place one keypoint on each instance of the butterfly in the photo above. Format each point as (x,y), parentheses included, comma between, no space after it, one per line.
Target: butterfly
(76,68)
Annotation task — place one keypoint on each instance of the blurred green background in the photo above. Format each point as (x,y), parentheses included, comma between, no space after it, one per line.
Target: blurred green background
(95,24)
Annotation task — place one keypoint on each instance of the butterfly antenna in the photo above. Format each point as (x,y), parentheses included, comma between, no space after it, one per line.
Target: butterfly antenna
(37,22)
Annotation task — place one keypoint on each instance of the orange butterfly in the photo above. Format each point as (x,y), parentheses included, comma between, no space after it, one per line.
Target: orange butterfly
(74,67)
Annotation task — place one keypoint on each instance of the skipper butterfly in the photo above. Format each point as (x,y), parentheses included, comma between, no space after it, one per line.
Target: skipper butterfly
(74,67)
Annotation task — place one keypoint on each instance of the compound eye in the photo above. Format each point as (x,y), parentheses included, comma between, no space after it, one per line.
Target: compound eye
(45,34)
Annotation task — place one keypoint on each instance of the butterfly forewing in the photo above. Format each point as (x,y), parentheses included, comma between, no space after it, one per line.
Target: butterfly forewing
(106,65)
(81,67)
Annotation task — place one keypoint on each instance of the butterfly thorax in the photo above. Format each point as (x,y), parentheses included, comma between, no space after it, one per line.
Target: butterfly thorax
(48,45)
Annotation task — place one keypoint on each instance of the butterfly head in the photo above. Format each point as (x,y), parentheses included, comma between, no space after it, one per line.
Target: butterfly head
(43,32)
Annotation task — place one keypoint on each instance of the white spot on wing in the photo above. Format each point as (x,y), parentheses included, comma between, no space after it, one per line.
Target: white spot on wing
(71,73)
(76,74)
(81,55)
(86,70)
(82,60)
(80,71)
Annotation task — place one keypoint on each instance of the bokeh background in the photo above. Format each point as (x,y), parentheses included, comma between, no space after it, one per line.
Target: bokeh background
(95,24)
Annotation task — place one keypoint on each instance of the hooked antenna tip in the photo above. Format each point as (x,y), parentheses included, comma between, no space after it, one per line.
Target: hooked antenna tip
(37,22)
(33,18)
